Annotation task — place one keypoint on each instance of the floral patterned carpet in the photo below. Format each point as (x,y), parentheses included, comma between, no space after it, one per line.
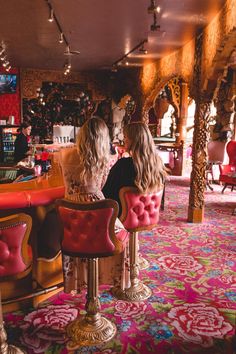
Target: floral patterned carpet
(192,275)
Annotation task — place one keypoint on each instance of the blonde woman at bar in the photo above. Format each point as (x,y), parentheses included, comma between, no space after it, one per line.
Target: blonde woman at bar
(85,169)
(143,168)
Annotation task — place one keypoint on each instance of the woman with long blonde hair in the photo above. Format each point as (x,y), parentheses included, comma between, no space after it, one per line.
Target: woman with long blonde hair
(143,168)
(85,167)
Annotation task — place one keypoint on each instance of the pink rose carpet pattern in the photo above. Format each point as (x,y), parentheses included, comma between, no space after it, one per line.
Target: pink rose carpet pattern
(192,275)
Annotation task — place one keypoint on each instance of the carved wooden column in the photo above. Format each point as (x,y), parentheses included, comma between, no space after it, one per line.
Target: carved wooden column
(183,114)
(199,158)
(200,136)
(233,119)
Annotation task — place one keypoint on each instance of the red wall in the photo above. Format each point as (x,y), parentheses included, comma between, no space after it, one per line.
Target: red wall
(10,103)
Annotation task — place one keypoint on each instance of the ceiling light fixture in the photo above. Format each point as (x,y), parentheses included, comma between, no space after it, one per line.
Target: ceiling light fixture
(61,40)
(51,16)
(142,50)
(122,60)
(153,8)
(62,37)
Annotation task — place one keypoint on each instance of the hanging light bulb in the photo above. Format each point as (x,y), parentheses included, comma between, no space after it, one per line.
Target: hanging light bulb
(51,17)
(61,40)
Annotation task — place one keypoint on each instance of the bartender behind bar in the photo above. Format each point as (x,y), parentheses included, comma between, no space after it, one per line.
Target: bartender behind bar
(21,143)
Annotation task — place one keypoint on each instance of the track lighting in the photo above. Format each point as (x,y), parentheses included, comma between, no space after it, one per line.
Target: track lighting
(51,16)
(142,50)
(123,60)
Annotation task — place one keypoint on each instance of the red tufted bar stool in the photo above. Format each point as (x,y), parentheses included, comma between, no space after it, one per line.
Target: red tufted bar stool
(89,233)
(139,212)
(15,255)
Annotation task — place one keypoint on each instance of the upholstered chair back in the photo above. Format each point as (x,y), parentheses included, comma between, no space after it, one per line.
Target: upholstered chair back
(216,151)
(15,252)
(89,228)
(139,211)
(231,151)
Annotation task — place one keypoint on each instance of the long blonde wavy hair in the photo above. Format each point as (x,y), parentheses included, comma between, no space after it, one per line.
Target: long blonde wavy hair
(93,147)
(149,168)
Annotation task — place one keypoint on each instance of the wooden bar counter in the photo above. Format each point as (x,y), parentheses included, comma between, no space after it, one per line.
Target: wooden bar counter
(36,198)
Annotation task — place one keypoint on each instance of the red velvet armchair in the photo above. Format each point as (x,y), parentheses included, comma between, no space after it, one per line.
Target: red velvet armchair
(89,233)
(228,172)
(140,212)
(15,255)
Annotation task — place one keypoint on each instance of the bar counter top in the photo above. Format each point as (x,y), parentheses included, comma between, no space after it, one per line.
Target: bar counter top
(51,179)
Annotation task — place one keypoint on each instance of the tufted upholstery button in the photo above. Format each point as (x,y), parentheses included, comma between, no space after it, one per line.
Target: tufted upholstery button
(4,251)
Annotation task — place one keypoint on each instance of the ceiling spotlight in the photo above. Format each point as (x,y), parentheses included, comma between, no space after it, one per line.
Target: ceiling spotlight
(114,68)
(51,17)
(6,63)
(142,50)
(3,57)
(8,68)
(2,51)
(61,39)
(153,8)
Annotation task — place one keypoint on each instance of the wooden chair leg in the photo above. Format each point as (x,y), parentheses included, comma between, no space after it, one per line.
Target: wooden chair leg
(224,188)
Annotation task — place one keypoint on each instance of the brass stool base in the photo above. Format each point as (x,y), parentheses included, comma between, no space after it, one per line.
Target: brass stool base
(140,292)
(142,263)
(82,333)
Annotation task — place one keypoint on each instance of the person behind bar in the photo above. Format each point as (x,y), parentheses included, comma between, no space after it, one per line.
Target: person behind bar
(21,146)
(143,168)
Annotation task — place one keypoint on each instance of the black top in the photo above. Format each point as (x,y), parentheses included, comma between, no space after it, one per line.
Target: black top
(121,174)
(21,147)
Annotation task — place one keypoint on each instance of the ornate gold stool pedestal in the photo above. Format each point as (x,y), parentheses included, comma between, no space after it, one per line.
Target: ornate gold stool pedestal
(93,329)
(83,333)
(6,348)
(137,291)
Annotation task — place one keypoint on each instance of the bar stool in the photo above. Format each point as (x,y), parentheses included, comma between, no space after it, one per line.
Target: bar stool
(15,256)
(140,212)
(89,233)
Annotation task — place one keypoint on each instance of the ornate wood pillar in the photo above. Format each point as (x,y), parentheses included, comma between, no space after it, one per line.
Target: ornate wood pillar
(200,137)
(183,114)
(199,158)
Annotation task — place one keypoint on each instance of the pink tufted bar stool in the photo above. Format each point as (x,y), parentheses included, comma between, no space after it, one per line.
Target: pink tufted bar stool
(89,233)
(139,212)
(15,255)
